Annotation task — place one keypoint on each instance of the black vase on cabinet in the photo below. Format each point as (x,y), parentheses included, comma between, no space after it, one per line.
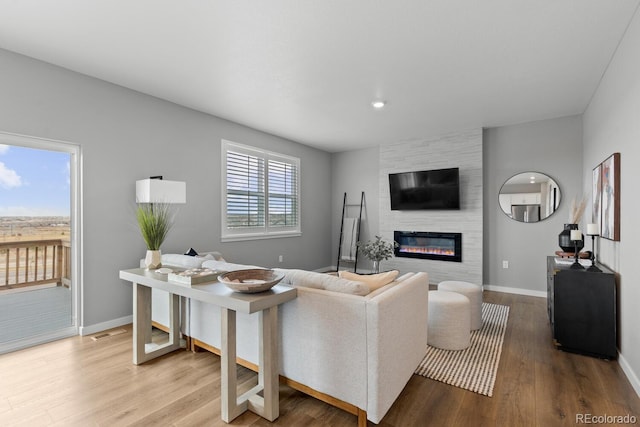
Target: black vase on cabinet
(564,239)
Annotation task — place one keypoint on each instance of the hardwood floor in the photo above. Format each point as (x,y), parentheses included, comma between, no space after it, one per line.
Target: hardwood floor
(81,382)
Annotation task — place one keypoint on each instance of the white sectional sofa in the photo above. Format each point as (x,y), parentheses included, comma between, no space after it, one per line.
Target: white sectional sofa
(356,352)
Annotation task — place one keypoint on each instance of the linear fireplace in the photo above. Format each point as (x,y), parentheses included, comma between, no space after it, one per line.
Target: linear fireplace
(427,245)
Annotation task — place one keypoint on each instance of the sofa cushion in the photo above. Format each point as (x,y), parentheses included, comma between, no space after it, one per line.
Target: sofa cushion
(375,281)
(211,255)
(226,266)
(206,255)
(179,260)
(312,279)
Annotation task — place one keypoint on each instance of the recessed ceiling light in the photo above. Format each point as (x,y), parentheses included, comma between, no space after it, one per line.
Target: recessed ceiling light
(533,178)
(378,104)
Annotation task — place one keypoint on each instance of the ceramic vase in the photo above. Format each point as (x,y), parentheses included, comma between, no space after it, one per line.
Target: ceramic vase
(564,239)
(153,260)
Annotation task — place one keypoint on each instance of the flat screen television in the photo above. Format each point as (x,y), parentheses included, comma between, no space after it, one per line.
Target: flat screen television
(430,189)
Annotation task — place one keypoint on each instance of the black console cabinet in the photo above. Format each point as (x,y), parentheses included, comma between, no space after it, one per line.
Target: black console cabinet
(582,309)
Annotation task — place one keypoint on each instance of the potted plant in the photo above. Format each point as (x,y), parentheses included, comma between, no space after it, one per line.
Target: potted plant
(155,221)
(377,250)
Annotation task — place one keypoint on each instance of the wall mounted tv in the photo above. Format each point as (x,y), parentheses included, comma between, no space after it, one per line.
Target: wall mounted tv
(430,189)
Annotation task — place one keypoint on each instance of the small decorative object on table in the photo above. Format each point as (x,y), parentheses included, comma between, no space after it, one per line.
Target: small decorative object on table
(251,281)
(155,220)
(575,214)
(377,250)
(576,236)
(193,276)
(592,230)
(583,255)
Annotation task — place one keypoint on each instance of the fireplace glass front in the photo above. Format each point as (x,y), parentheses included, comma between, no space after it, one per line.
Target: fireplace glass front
(429,245)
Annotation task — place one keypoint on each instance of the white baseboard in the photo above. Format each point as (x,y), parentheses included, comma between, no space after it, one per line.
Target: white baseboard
(99,327)
(518,291)
(631,375)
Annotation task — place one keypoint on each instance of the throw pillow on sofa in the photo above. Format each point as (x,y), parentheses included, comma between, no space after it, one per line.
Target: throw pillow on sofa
(312,279)
(375,281)
(190,261)
(179,260)
(227,266)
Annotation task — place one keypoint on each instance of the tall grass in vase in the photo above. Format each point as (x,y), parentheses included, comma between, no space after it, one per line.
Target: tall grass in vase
(155,221)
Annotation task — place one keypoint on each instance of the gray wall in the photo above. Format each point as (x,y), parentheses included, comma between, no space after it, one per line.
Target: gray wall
(126,136)
(553,147)
(354,172)
(611,125)
(506,151)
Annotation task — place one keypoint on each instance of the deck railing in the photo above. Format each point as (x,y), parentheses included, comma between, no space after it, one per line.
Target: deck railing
(35,262)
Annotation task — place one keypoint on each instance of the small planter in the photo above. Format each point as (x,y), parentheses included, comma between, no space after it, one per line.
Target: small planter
(153,260)
(155,221)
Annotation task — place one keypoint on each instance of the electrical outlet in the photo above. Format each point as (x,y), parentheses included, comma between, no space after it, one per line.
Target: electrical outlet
(505,264)
(280,258)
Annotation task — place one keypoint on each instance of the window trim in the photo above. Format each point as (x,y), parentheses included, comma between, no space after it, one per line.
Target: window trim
(256,233)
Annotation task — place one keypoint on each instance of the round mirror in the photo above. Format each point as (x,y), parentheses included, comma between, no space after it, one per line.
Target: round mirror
(529,197)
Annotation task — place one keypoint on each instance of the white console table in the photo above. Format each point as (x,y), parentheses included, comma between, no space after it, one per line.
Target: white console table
(264,303)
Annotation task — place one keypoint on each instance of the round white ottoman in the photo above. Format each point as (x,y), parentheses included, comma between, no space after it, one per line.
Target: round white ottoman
(471,291)
(449,320)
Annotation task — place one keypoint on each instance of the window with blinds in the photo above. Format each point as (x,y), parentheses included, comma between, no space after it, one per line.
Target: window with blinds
(261,193)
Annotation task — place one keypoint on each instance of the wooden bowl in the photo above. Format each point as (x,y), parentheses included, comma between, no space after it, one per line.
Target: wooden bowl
(250,281)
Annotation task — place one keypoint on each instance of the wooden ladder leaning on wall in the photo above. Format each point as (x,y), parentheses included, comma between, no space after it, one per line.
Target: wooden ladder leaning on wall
(357,230)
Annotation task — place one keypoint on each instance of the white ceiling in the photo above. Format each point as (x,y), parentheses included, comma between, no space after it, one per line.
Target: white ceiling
(308,69)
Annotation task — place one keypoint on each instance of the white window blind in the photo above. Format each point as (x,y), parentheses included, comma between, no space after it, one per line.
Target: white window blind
(260,192)
(283,194)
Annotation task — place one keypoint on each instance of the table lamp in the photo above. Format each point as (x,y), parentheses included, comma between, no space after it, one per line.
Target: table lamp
(158,190)
(153,197)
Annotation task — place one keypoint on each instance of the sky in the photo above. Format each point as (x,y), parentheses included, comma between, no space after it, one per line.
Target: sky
(34,182)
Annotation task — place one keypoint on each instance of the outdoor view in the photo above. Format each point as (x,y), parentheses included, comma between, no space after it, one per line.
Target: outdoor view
(35,262)
(34,215)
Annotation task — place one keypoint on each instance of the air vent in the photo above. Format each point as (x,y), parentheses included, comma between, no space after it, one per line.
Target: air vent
(108,334)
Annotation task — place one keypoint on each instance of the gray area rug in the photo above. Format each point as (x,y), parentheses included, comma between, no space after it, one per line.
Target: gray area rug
(474,368)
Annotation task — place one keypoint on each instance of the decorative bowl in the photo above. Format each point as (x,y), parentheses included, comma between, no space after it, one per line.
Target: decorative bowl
(250,281)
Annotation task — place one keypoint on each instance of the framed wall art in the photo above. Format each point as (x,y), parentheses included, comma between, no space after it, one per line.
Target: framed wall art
(610,197)
(596,214)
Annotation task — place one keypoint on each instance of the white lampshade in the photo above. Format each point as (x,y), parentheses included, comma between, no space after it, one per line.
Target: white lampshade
(160,191)
(576,235)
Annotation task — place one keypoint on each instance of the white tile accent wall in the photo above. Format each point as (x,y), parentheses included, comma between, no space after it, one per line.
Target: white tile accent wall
(462,150)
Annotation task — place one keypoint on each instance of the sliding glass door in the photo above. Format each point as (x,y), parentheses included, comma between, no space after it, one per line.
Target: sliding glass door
(38,238)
